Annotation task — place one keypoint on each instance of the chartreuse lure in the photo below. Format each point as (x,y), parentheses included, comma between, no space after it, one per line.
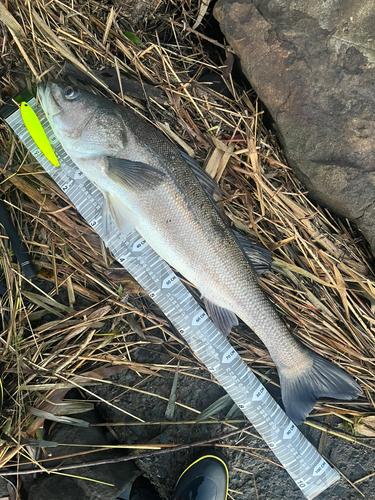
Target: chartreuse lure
(36,131)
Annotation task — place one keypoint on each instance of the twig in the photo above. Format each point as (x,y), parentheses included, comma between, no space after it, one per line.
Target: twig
(127,457)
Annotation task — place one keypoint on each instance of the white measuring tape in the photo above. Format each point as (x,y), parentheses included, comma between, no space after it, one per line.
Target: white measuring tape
(301,460)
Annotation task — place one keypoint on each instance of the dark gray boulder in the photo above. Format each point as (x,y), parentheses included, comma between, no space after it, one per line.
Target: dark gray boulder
(313,65)
(100,482)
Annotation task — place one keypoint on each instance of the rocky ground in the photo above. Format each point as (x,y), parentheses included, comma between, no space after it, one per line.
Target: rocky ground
(254,472)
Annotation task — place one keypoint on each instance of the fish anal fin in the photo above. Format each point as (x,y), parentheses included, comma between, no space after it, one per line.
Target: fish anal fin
(133,175)
(223,319)
(260,258)
(322,380)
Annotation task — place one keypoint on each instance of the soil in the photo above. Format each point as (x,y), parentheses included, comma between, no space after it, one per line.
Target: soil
(261,478)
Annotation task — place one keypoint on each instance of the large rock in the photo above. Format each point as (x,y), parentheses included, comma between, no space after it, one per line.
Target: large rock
(100,482)
(313,65)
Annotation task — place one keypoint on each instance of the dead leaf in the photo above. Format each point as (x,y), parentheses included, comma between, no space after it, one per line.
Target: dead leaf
(366,426)
(9,21)
(341,287)
(58,395)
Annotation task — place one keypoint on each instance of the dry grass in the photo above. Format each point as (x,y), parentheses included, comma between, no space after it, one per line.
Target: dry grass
(84,328)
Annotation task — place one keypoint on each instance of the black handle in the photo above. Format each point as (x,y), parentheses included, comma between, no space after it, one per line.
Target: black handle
(28,268)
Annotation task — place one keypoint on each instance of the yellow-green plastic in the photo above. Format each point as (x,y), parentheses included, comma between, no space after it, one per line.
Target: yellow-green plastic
(36,131)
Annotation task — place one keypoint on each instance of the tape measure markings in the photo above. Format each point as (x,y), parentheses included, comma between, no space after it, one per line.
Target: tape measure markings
(308,469)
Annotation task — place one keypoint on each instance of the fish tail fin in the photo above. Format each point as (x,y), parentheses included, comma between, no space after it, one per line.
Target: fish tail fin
(323,380)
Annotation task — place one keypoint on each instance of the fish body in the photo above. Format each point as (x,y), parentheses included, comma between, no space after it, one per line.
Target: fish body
(146,180)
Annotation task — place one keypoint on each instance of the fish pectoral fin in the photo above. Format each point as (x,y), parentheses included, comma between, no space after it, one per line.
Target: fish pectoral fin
(121,214)
(259,257)
(223,319)
(133,175)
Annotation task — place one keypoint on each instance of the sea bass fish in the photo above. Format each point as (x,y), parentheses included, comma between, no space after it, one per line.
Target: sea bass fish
(146,180)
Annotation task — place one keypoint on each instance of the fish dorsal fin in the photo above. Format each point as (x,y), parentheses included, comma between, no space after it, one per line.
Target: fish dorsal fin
(133,175)
(206,181)
(259,257)
(222,318)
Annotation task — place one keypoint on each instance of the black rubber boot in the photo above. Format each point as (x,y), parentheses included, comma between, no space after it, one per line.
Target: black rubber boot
(204,479)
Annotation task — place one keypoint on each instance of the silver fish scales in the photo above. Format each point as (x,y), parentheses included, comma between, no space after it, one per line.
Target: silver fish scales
(145,179)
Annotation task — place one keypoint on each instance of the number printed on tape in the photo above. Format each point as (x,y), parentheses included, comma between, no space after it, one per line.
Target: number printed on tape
(139,244)
(78,174)
(65,187)
(124,258)
(170,281)
(320,468)
(229,356)
(95,222)
(199,318)
(301,483)
(290,431)
(53,139)
(259,393)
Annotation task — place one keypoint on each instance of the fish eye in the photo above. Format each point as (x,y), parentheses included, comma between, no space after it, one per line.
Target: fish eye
(70,93)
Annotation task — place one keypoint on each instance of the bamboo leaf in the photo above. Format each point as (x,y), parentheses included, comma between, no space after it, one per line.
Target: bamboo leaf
(216,407)
(77,422)
(133,38)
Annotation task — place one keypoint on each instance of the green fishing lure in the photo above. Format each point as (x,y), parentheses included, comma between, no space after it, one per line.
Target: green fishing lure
(36,131)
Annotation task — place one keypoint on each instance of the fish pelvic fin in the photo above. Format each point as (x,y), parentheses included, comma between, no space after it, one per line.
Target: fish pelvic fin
(223,319)
(323,380)
(122,216)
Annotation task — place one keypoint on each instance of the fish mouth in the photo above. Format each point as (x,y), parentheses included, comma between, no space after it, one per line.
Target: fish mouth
(47,99)
(41,91)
